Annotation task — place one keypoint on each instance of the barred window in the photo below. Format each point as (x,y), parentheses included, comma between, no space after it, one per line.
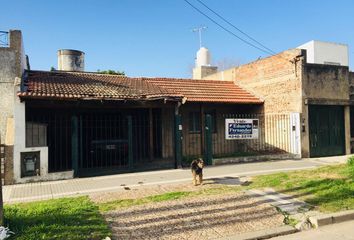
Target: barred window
(36,134)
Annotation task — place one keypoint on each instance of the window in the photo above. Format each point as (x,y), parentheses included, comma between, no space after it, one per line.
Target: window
(36,134)
(194,122)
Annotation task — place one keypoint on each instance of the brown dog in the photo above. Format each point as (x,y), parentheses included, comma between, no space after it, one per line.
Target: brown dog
(197,171)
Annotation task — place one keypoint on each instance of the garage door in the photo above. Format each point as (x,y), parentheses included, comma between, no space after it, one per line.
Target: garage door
(326,130)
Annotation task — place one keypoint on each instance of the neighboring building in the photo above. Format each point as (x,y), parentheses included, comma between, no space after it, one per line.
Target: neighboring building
(326,53)
(12,66)
(320,92)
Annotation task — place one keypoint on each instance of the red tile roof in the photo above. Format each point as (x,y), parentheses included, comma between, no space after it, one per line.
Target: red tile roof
(206,90)
(80,85)
(87,86)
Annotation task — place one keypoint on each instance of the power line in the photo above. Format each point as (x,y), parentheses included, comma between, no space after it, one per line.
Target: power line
(228,22)
(227,30)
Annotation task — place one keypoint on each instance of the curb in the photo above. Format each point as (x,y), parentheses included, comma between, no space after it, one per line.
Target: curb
(263,234)
(254,159)
(327,219)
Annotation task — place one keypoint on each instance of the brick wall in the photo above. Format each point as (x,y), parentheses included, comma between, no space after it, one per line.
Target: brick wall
(275,79)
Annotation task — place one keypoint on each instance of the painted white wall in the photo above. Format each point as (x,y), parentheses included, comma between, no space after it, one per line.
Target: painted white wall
(326,53)
(295,134)
(20,146)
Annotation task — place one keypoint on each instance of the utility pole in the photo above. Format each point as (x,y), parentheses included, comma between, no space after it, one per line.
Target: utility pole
(199,30)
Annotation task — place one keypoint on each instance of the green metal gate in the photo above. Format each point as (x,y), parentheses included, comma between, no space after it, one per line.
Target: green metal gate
(326,129)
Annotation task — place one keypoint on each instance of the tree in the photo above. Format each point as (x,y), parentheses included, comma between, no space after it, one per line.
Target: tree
(111,72)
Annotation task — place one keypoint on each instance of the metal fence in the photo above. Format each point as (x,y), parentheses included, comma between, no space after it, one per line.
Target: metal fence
(277,134)
(51,129)
(95,142)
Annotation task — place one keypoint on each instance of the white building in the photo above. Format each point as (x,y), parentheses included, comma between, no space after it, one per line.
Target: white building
(326,53)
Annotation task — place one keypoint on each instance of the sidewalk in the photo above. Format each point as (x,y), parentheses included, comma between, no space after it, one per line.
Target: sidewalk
(338,231)
(114,183)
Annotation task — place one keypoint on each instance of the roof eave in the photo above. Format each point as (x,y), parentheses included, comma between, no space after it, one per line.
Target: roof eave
(68,98)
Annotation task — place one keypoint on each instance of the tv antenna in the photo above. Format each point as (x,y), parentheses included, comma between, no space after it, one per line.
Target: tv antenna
(199,30)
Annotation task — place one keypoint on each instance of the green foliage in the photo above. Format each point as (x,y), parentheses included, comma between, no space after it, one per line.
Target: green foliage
(111,72)
(350,161)
(329,188)
(52,68)
(272,180)
(65,218)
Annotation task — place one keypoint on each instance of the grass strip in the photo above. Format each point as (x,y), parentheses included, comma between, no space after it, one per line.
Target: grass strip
(64,218)
(329,188)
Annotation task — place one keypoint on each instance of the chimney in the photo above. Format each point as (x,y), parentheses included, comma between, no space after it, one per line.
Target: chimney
(71,60)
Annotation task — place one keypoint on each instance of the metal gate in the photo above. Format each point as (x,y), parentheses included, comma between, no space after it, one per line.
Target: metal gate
(102,141)
(277,134)
(121,141)
(326,129)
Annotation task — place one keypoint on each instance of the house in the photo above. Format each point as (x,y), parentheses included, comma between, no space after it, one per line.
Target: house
(70,123)
(313,80)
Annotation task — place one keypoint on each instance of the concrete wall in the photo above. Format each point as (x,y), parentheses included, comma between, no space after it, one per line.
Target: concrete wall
(203,71)
(326,82)
(351,86)
(12,66)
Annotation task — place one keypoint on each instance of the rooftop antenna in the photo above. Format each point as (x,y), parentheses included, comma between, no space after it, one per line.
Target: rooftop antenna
(199,30)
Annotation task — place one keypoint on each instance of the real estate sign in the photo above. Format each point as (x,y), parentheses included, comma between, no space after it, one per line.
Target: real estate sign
(241,128)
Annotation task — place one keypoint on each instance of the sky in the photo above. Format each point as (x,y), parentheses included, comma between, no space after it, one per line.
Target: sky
(154,38)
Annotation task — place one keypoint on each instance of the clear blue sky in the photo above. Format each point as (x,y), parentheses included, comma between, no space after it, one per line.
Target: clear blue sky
(153,37)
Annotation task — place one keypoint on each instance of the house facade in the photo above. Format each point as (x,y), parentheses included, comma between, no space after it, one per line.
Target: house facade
(321,92)
(71,123)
